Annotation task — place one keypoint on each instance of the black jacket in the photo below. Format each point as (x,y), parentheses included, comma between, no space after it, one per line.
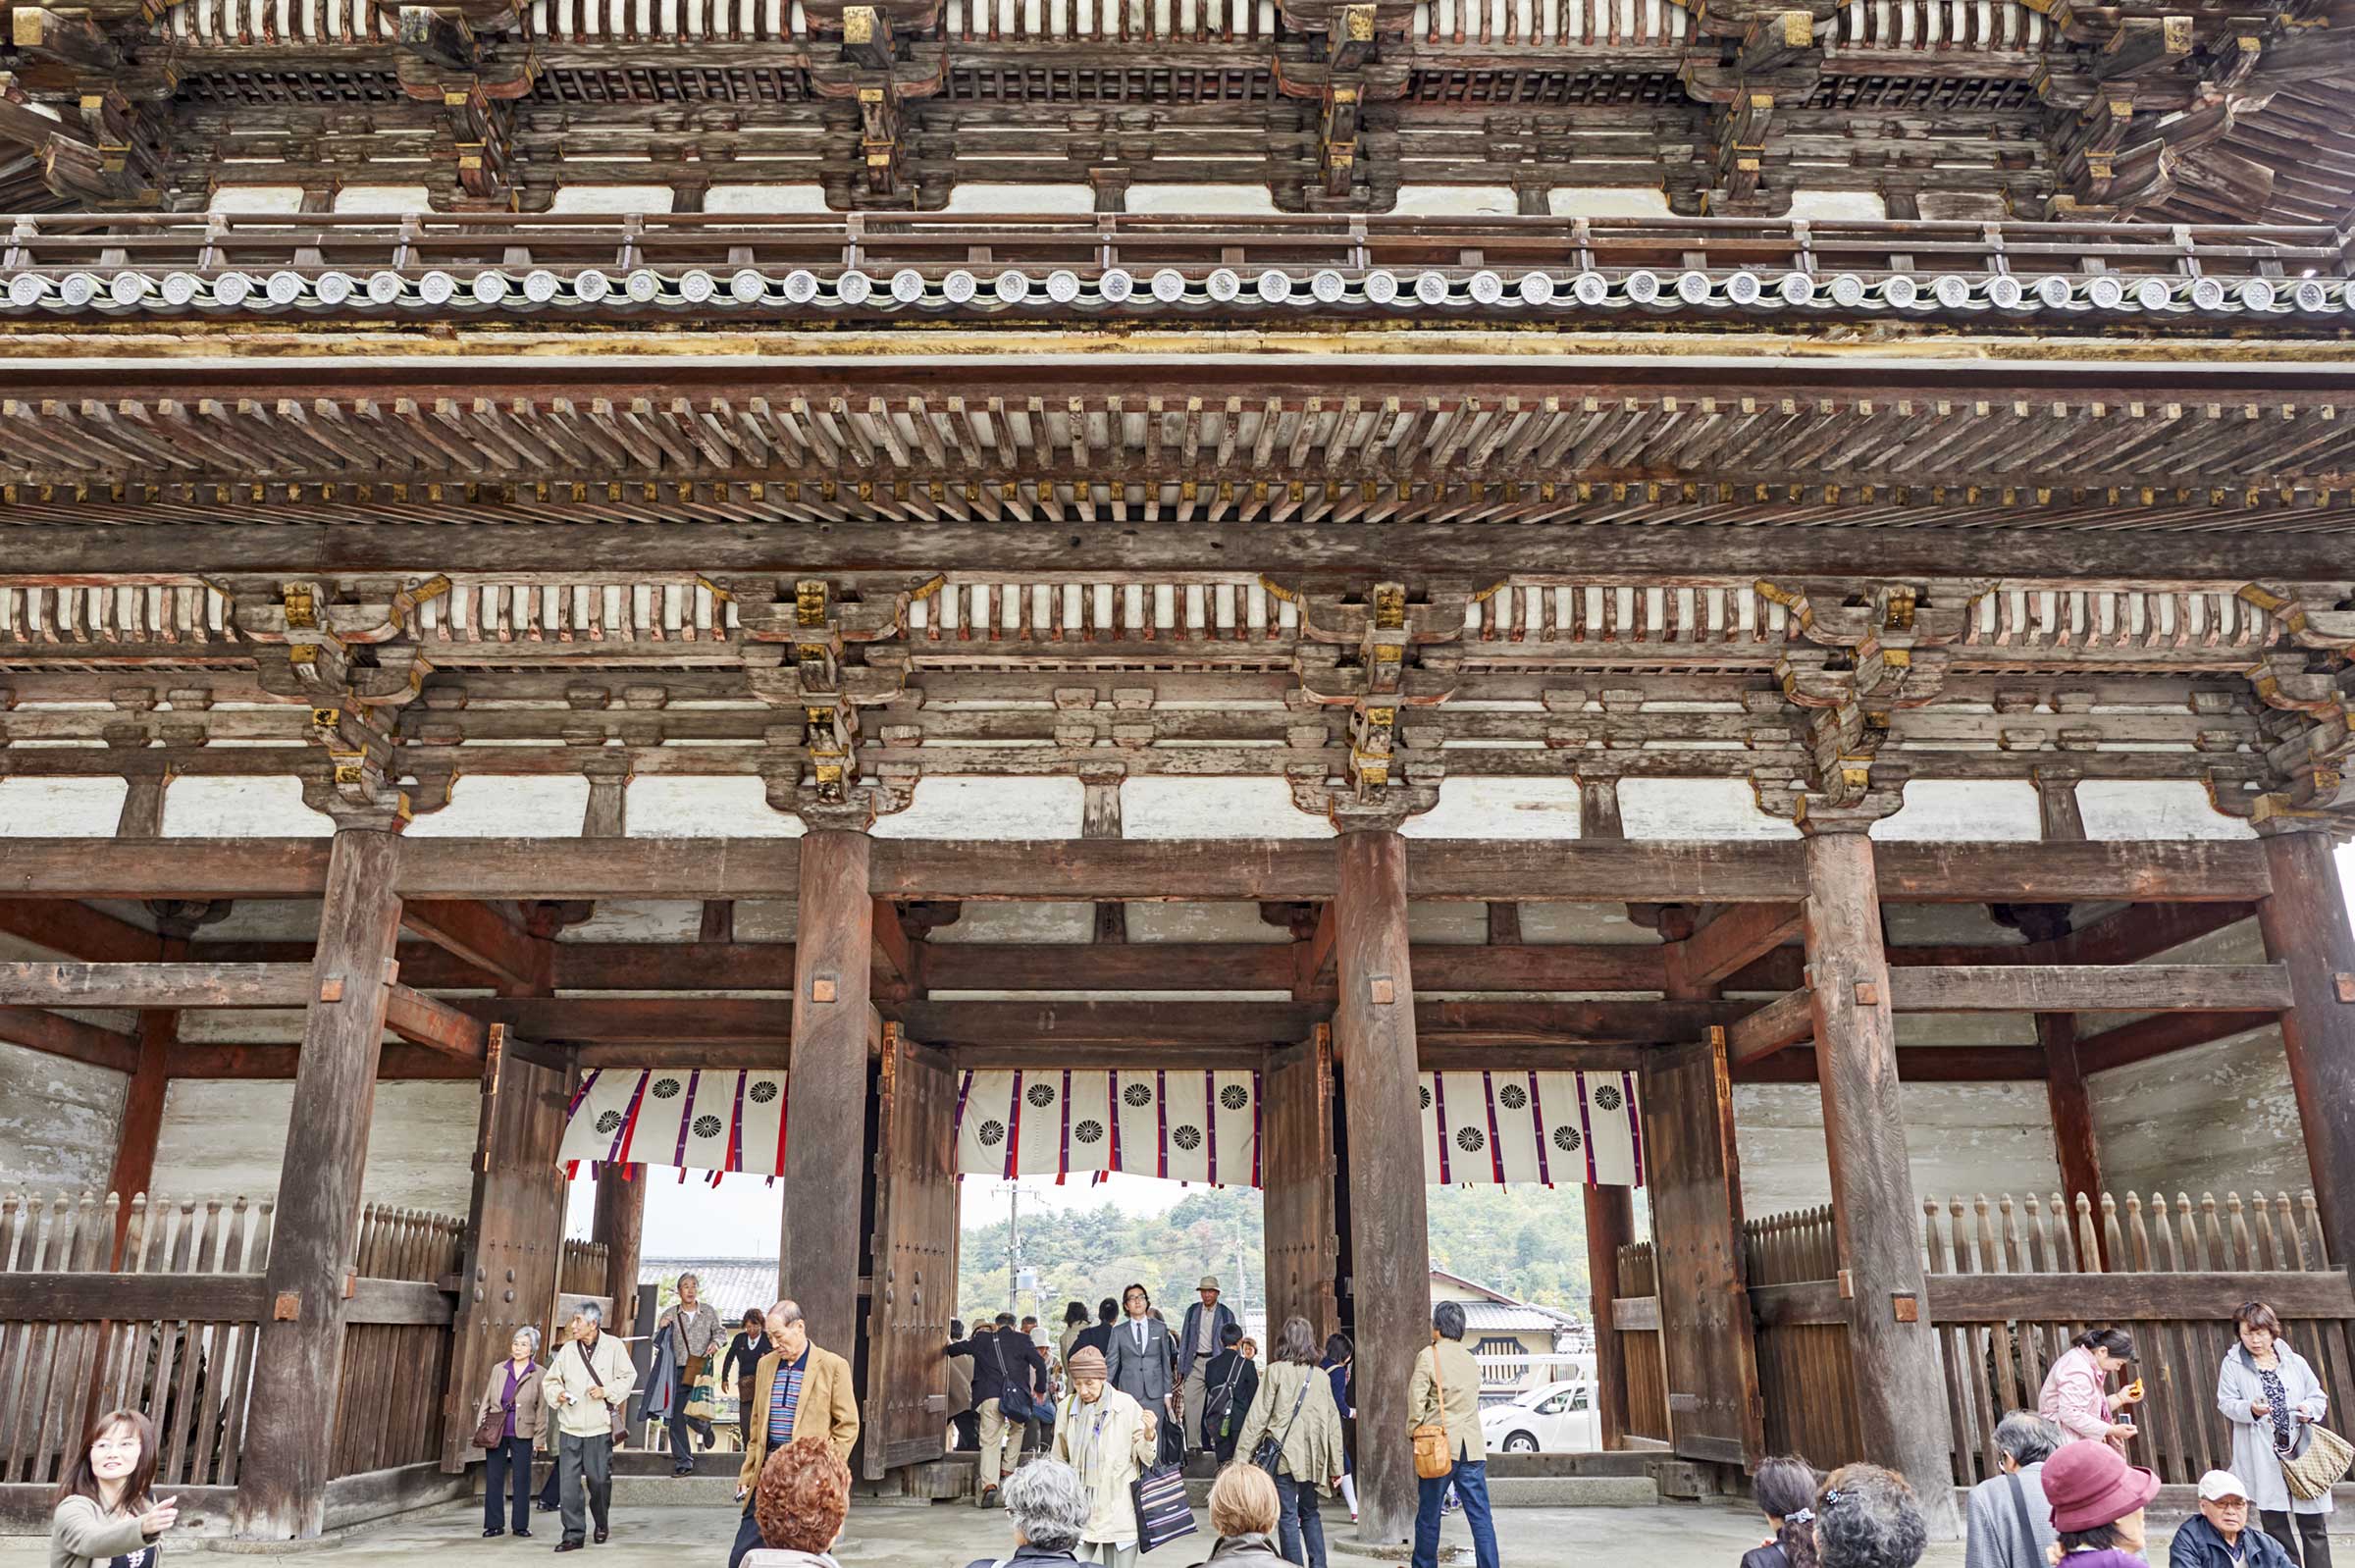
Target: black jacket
(1098,1338)
(1215,1374)
(997,1355)
(2198,1545)
(1024,1558)
(744,1351)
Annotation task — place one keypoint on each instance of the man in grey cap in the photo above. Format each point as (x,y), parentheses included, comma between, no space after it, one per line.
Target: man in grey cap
(1196,1344)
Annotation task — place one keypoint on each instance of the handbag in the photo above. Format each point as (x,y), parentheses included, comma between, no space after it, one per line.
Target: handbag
(1013,1402)
(1267,1454)
(703,1397)
(2324,1463)
(1163,1514)
(1434,1459)
(492,1430)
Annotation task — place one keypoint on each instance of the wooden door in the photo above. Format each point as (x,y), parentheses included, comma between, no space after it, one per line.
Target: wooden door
(514,1232)
(914,1287)
(1296,1166)
(1695,1182)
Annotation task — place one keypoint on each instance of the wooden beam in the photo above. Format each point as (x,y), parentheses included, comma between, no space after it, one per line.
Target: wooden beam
(1740,934)
(54,1034)
(2116,1297)
(2188,870)
(1105,1023)
(75,930)
(2163,1034)
(429,1021)
(2305,930)
(1582,1023)
(897,962)
(1782,1023)
(481,937)
(1919,1064)
(408,1302)
(2116,988)
(2138,932)
(154,985)
(57,1297)
(409,1062)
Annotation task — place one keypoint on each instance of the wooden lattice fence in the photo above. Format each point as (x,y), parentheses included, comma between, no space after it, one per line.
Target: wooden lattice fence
(1639,1329)
(397,1353)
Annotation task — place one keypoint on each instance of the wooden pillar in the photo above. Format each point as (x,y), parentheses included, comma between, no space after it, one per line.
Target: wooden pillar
(282,1490)
(143,1121)
(619,1221)
(826,1087)
(2304,920)
(1611,1225)
(1901,1393)
(2076,1148)
(1374,1030)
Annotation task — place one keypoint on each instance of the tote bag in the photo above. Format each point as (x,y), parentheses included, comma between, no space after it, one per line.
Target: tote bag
(1163,1514)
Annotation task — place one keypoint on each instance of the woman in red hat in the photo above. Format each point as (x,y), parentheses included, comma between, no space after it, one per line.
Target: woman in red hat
(2097,1501)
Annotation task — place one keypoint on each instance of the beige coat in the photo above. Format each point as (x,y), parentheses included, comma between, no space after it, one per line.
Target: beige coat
(1117,1451)
(531,1400)
(1461,1376)
(567,1380)
(82,1534)
(828,1409)
(1312,1442)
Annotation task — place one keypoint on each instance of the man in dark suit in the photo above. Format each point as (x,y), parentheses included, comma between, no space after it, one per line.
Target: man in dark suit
(1141,1353)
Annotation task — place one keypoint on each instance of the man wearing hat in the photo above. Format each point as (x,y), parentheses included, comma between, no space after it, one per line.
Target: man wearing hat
(1204,1320)
(2219,1534)
(2097,1501)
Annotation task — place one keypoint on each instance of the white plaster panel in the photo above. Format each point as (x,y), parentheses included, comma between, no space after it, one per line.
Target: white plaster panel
(384,198)
(61,808)
(1607,202)
(265,920)
(1960,1138)
(1452,923)
(767,919)
(989,809)
(798,196)
(1969,810)
(1966,1029)
(206,807)
(986,198)
(525,805)
(1205,201)
(641,920)
(1159,807)
(256,198)
(1837,204)
(1583,922)
(611,199)
(2218,1117)
(1457,202)
(58,1121)
(1500,808)
(2148,808)
(1200,922)
(1696,807)
(1020,922)
(226,1138)
(695,805)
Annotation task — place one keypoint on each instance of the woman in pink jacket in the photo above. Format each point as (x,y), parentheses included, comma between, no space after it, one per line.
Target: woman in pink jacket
(2075,1392)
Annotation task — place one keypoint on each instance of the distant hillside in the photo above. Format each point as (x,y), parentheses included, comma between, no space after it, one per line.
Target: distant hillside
(1528,1242)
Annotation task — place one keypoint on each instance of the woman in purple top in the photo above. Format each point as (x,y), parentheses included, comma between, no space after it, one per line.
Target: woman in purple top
(2098,1499)
(514,1388)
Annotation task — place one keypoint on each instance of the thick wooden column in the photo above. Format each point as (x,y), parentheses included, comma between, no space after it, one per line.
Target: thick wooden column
(2077,1147)
(1900,1387)
(282,1490)
(619,1221)
(827,1087)
(1390,1244)
(2305,924)
(143,1121)
(1611,1225)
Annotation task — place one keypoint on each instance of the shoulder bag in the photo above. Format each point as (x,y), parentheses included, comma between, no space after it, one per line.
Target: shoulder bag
(1269,1454)
(1161,1512)
(492,1430)
(1014,1401)
(2319,1466)
(2029,1550)
(596,1378)
(1434,1455)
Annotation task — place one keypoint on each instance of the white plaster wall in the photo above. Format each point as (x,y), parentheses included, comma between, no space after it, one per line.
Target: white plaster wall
(1457,202)
(384,198)
(688,805)
(989,809)
(527,805)
(1858,204)
(1962,1138)
(1219,200)
(1607,202)
(981,196)
(61,808)
(57,1123)
(256,198)
(1967,810)
(798,196)
(2136,808)
(1500,808)
(2220,1118)
(611,199)
(1696,807)
(1159,807)
(1581,922)
(222,1138)
(1043,922)
(241,807)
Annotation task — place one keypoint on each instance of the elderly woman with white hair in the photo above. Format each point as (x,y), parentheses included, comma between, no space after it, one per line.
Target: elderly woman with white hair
(1047,1507)
(515,1397)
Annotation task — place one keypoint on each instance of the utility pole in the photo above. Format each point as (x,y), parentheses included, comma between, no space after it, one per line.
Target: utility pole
(1014,1243)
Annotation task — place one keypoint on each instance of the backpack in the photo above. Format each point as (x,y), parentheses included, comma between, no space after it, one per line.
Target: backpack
(1218,1403)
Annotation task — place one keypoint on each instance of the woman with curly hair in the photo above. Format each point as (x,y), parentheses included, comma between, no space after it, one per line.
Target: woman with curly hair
(1866,1517)
(800,1505)
(1785,1493)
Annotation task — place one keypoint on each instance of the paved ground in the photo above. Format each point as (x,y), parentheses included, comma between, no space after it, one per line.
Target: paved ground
(949,1535)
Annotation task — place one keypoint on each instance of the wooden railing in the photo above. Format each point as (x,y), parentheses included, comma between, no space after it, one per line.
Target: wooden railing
(1639,1329)
(165,1325)
(396,1346)
(1805,1378)
(582,1273)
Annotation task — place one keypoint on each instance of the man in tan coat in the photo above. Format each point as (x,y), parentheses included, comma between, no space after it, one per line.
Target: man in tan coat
(798,1391)
(1445,1387)
(588,1383)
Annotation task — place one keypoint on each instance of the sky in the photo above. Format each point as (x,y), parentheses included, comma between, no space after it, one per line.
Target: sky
(738,1217)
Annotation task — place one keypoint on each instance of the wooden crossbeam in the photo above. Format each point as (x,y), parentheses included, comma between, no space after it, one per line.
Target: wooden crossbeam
(429,1021)
(1784,1022)
(895,966)
(2115,988)
(1738,935)
(483,938)
(76,931)
(2163,1034)
(2138,932)
(1916,1064)
(155,985)
(1668,872)
(55,1034)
